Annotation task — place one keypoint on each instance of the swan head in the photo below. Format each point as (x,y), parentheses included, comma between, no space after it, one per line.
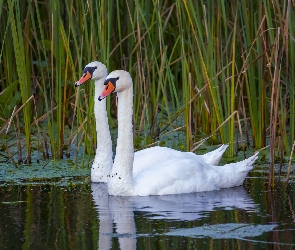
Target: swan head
(94,70)
(116,81)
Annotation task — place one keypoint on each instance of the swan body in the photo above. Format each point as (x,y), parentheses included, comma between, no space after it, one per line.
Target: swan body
(149,157)
(103,161)
(185,174)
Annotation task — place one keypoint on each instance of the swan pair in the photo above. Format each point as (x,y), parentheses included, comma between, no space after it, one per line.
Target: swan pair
(156,170)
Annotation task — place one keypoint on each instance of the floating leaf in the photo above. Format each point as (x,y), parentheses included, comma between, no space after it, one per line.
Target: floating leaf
(224,231)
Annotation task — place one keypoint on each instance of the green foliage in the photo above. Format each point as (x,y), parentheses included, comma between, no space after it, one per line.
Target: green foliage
(5,99)
(218,68)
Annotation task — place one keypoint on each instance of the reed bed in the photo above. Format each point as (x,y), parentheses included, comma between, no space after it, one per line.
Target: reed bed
(216,70)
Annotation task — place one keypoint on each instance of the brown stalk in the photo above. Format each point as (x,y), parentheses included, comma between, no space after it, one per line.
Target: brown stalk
(275,94)
(10,155)
(213,133)
(20,160)
(16,112)
(289,165)
(183,108)
(190,139)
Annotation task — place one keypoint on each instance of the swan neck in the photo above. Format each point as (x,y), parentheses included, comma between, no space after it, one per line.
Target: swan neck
(125,125)
(102,163)
(101,119)
(121,179)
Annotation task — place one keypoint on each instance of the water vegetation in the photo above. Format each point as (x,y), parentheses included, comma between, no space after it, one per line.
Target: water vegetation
(62,215)
(214,71)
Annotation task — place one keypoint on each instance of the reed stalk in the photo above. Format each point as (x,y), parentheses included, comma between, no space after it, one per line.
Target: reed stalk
(22,58)
(194,65)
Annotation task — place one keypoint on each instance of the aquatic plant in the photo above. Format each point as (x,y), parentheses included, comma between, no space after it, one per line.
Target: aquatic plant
(220,71)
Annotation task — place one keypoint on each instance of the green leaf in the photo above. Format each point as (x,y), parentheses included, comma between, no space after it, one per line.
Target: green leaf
(7,93)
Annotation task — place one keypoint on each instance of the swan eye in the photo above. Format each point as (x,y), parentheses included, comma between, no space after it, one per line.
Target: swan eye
(112,81)
(90,70)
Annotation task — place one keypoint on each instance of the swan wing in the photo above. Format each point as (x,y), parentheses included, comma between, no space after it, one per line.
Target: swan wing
(178,176)
(175,177)
(149,157)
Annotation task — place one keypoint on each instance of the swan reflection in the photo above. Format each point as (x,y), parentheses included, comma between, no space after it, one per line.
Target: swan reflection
(116,214)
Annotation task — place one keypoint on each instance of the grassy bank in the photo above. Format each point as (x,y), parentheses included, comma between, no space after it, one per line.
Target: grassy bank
(217,69)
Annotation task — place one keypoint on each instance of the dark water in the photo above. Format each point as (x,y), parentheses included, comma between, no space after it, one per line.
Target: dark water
(83,216)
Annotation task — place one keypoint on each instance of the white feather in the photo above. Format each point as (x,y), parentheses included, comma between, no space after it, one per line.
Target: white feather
(182,173)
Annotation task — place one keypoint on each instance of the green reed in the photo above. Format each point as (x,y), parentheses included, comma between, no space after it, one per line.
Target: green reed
(197,67)
(22,58)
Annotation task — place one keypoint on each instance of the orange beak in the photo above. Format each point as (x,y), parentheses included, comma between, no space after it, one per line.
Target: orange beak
(85,77)
(108,89)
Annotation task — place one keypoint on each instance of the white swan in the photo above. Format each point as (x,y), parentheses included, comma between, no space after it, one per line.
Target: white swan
(103,162)
(185,174)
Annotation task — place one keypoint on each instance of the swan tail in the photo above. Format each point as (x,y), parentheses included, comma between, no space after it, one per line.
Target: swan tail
(214,156)
(245,165)
(234,174)
(250,161)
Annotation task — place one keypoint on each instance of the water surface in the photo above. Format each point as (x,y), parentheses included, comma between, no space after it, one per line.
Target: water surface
(83,216)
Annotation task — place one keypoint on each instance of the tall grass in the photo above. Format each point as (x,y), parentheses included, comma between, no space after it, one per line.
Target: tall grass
(218,68)
(22,59)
